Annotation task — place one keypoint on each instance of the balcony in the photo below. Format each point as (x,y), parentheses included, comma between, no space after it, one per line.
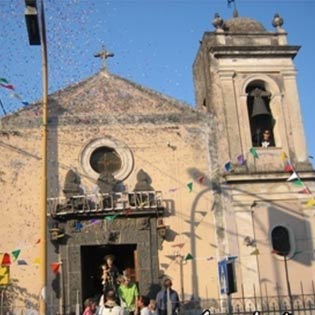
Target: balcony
(140,203)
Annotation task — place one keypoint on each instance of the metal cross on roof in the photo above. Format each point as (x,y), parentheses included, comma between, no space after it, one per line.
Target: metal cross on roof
(103,54)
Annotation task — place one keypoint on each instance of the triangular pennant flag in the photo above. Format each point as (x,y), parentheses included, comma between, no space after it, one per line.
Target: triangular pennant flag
(55,267)
(78,226)
(240,159)
(16,254)
(37,242)
(210,258)
(127,211)
(7,86)
(21,262)
(180,245)
(3,80)
(228,166)
(200,179)
(189,257)
(190,186)
(292,177)
(37,260)
(298,182)
(255,252)
(6,260)
(311,203)
(16,96)
(311,157)
(288,168)
(111,217)
(304,191)
(254,152)
(283,156)
(25,103)
(94,221)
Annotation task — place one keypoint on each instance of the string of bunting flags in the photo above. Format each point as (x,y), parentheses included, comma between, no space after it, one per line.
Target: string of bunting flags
(294,178)
(4,83)
(7,258)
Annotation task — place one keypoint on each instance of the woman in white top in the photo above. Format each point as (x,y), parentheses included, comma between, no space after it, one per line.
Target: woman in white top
(109,307)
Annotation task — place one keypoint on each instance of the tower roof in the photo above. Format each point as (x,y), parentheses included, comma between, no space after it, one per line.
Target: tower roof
(243,25)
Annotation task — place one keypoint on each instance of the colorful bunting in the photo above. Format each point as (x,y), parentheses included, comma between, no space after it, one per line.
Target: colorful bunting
(304,191)
(37,242)
(127,211)
(4,276)
(78,226)
(255,252)
(283,156)
(210,258)
(55,267)
(298,182)
(254,152)
(6,260)
(7,86)
(292,177)
(288,168)
(21,262)
(311,202)
(241,160)
(37,261)
(228,166)
(189,257)
(3,80)
(16,254)
(111,217)
(200,179)
(190,186)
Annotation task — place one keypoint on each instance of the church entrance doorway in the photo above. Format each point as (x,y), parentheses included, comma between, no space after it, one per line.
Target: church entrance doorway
(92,258)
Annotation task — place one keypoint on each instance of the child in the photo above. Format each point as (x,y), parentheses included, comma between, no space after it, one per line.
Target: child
(143,303)
(89,307)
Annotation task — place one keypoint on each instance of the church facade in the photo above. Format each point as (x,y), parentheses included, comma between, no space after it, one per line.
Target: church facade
(217,197)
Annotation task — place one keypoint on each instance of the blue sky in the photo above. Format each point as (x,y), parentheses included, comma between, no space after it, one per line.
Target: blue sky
(155,43)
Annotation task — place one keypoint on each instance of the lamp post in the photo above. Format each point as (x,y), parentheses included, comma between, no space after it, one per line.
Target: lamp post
(285,259)
(37,36)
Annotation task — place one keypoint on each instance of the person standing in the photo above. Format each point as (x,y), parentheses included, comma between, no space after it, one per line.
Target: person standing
(128,294)
(110,274)
(167,300)
(143,305)
(109,306)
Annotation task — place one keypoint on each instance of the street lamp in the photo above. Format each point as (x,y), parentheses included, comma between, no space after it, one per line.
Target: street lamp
(31,18)
(36,29)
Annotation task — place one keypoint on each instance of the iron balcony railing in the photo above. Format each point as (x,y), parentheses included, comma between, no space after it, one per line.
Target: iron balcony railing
(105,203)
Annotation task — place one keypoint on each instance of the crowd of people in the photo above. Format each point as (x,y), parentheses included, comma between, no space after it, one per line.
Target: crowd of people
(121,296)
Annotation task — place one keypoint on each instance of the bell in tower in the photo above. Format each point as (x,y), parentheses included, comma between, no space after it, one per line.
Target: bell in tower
(261,120)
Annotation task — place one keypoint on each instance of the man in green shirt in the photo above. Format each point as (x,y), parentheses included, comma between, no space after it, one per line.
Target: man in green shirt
(128,294)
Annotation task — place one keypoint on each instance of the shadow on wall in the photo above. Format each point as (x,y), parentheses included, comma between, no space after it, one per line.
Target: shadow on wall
(13,292)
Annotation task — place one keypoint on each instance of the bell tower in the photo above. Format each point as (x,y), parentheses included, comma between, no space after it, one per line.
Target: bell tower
(246,77)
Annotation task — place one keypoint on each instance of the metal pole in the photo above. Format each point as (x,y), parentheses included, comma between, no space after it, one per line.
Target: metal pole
(182,278)
(288,282)
(43,212)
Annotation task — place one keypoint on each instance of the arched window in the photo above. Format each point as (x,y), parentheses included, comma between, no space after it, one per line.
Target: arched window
(260,115)
(280,239)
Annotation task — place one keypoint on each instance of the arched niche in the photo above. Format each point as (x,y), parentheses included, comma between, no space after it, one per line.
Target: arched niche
(261,92)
